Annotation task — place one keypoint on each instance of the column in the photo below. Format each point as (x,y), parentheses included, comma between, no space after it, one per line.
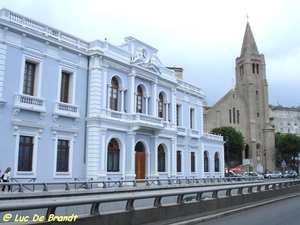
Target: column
(131,90)
(129,160)
(153,161)
(173,152)
(154,99)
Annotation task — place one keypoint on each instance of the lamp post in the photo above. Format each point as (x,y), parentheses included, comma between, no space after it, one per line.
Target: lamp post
(265,154)
(227,142)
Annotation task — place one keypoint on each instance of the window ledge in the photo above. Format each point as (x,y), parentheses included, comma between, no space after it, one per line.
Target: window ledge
(66,110)
(30,103)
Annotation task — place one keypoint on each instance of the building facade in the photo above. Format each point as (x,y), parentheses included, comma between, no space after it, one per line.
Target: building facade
(246,107)
(76,109)
(285,120)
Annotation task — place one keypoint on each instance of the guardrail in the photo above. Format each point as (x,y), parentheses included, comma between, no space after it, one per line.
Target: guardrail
(244,193)
(32,185)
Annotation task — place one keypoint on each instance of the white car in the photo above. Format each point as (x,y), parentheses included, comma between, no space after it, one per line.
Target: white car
(274,174)
(253,174)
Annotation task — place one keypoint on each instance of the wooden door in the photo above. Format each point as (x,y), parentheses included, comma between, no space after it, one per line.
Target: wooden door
(140,165)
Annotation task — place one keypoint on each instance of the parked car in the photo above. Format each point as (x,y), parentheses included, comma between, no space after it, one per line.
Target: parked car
(274,174)
(292,174)
(254,175)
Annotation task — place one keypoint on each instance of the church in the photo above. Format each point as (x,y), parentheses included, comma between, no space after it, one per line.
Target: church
(246,108)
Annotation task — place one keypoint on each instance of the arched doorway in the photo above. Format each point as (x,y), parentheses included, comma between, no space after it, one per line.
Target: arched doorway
(140,161)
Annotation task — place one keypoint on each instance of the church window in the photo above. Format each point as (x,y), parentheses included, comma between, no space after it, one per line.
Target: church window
(257,68)
(253,68)
(229,115)
(233,115)
(232,95)
(238,116)
(257,114)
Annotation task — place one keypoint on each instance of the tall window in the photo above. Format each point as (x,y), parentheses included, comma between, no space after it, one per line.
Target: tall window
(205,162)
(217,161)
(29,76)
(192,118)
(139,100)
(229,115)
(161,159)
(238,116)
(233,116)
(114,89)
(62,161)
(64,88)
(193,166)
(25,153)
(178,115)
(160,105)
(178,161)
(113,158)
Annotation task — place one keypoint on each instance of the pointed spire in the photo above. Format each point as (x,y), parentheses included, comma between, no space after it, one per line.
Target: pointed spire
(249,44)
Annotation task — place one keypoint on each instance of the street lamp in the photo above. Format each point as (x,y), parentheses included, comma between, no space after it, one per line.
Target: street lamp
(265,154)
(227,142)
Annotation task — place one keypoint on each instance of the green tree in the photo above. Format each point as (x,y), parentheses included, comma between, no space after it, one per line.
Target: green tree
(287,148)
(233,146)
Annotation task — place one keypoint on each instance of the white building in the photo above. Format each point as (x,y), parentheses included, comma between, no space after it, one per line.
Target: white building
(76,109)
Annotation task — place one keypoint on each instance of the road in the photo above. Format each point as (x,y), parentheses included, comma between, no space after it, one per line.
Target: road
(278,213)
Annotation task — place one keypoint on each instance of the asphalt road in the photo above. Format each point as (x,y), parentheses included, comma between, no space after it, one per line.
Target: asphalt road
(278,213)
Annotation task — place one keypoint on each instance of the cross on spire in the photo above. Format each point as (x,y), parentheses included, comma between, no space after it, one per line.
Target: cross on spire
(247,16)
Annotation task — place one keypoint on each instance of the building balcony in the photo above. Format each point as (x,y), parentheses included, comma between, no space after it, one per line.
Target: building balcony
(137,120)
(30,103)
(213,136)
(66,110)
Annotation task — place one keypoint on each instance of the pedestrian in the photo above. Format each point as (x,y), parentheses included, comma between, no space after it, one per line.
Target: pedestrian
(6,178)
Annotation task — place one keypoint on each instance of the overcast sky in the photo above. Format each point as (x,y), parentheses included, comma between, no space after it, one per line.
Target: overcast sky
(202,37)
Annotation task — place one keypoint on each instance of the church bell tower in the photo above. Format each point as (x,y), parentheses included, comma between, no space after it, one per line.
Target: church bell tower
(252,86)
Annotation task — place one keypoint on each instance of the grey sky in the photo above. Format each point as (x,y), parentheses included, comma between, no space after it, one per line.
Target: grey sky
(202,37)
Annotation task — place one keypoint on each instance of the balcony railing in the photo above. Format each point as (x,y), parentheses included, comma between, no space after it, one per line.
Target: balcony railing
(31,103)
(43,29)
(213,136)
(66,110)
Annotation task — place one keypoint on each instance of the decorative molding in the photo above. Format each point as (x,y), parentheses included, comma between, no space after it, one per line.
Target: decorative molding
(34,55)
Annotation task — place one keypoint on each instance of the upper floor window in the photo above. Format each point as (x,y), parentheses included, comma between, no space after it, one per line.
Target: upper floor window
(139,100)
(178,115)
(160,105)
(29,78)
(114,89)
(192,118)
(64,88)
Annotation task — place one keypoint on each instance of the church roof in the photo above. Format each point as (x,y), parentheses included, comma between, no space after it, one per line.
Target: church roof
(249,44)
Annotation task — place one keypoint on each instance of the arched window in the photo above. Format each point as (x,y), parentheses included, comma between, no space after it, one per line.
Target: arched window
(160,106)
(206,162)
(217,162)
(253,68)
(114,90)
(257,68)
(113,156)
(161,159)
(139,100)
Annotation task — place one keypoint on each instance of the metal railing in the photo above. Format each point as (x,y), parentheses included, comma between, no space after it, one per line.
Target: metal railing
(78,183)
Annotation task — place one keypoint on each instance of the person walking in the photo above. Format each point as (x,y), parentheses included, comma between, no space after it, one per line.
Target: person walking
(6,178)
